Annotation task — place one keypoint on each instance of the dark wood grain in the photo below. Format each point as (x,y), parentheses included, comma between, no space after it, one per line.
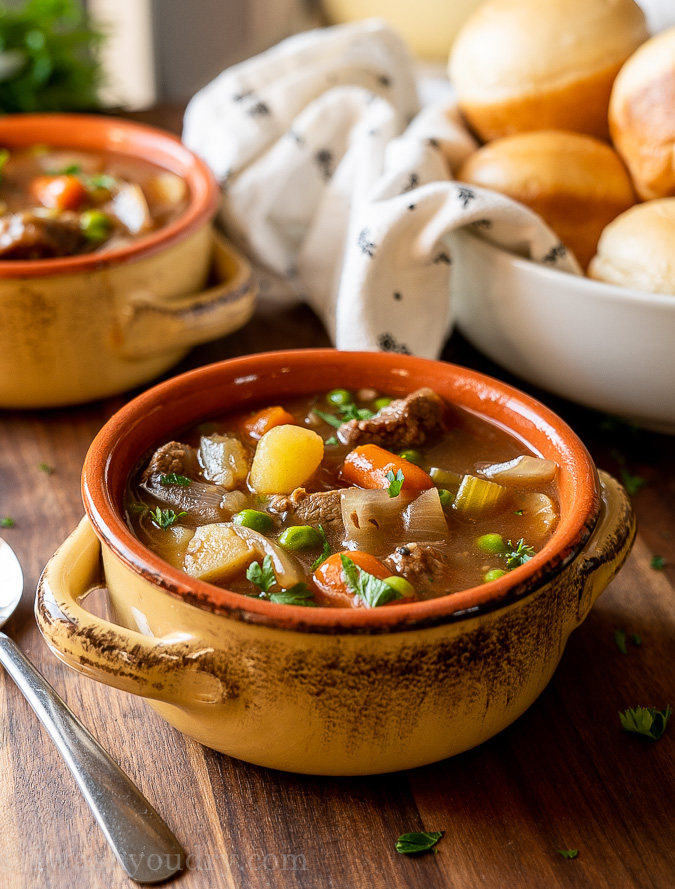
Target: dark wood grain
(564,776)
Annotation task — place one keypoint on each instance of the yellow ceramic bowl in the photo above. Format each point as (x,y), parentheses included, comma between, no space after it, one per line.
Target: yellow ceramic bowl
(328,690)
(89,326)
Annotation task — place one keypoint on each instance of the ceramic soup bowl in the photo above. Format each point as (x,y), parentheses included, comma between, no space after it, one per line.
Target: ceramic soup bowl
(88,326)
(328,690)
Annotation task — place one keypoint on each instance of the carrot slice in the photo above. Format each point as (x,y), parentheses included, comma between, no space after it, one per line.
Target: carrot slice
(59,192)
(330,586)
(367,466)
(258,424)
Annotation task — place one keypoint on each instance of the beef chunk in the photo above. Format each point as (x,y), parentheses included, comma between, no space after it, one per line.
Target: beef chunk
(320,508)
(420,563)
(29,236)
(405,422)
(172,457)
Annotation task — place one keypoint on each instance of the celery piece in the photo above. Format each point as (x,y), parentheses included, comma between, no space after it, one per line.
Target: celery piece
(478,496)
(445,478)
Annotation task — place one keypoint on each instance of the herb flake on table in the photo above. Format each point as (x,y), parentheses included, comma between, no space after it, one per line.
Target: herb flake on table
(568,853)
(620,639)
(7,522)
(414,843)
(46,468)
(647,721)
(658,563)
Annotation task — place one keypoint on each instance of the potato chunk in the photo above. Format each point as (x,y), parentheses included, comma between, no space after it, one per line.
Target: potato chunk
(286,457)
(217,553)
(224,460)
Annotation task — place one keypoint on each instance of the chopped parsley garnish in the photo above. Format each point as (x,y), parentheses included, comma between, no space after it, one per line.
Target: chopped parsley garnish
(325,552)
(172,478)
(332,442)
(298,594)
(4,157)
(658,563)
(411,843)
(349,411)
(370,589)
(70,170)
(102,180)
(635,639)
(568,853)
(395,482)
(646,721)
(631,482)
(164,518)
(46,468)
(7,522)
(328,418)
(516,555)
(620,639)
(264,578)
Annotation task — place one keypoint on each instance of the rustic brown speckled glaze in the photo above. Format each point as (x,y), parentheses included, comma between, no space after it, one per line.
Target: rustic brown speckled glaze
(328,691)
(84,327)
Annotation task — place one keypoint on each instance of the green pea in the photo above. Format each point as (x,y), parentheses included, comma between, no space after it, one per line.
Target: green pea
(491,543)
(339,396)
(400,584)
(299,537)
(95,224)
(412,456)
(494,574)
(445,497)
(379,403)
(255,520)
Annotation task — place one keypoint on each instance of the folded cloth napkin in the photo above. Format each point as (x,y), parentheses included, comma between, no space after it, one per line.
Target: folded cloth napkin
(338,187)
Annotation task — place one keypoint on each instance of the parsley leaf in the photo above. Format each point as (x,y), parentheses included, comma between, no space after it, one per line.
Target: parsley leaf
(263,577)
(164,518)
(658,563)
(568,853)
(7,522)
(517,555)
(395,482)
(635,639)
(325,552)
(645,721)
(620,639)
(333,421)
(298,594)
(371,589)
(46,468)
(174,479)
(332,441)
(352,412)
(411,843)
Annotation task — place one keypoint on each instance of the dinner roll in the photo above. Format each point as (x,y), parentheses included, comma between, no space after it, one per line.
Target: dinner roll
(637,249)
(642,116)
(542,64)
(576,183)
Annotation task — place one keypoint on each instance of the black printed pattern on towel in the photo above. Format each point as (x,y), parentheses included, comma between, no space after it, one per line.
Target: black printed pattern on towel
(365,244)
(388,343)
(465,195)
(412,182)
(554,254)
(324,160)
(442,258)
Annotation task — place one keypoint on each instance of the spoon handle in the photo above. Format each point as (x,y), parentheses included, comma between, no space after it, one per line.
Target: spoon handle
(143,844)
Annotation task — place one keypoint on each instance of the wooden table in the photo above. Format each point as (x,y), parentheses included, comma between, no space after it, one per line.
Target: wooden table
(564,776)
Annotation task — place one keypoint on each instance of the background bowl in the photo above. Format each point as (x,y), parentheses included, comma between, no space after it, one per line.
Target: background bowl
(328,690)
(88,326)
(603,346)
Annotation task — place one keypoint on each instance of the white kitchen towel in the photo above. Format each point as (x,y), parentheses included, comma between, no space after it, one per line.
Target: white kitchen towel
(338,186)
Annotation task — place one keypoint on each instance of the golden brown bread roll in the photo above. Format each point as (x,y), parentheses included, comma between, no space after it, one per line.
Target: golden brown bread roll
(576,183)
(542,64)
(637,249)
(642,116)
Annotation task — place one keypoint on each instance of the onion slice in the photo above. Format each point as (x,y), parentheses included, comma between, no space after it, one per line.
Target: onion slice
(286,569)
(372,518)
(424,518)
(525,471)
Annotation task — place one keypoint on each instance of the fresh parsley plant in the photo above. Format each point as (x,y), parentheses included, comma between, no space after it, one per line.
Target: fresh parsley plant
(646,721)
(370,589)
(412,843)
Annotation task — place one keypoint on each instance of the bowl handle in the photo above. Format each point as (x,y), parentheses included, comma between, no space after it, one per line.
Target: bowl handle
(173,668)
(609,545)
(153,327)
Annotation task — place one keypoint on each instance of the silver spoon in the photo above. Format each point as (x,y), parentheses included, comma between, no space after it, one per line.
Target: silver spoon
(143,844)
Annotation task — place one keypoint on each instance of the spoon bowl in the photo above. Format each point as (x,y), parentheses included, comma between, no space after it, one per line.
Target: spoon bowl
(11,586)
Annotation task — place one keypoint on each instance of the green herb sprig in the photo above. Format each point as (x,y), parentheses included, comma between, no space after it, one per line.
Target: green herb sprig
(414,843)
(568,853)
(164,518)
(646,721)
(372,591)
(325,552)
(517,554)
(172,478)
(264,578)
(395,482)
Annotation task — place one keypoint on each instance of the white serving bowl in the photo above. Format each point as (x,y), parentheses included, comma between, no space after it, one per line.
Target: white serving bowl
(606,347)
